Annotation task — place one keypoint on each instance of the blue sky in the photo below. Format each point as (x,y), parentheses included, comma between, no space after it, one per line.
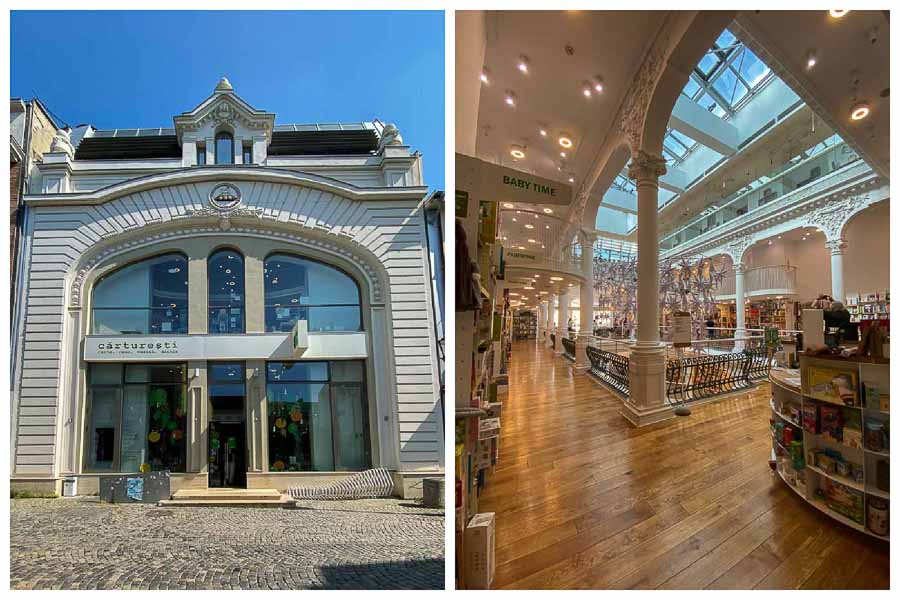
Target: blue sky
(139,69)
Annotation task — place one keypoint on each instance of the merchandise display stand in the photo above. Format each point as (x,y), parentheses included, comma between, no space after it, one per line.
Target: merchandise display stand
(830,442)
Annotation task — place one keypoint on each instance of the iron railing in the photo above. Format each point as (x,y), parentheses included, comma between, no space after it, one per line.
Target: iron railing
(569,348)
(697,377)
(609,368)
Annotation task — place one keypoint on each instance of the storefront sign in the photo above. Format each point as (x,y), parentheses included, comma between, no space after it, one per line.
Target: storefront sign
(266,346)
(681,329)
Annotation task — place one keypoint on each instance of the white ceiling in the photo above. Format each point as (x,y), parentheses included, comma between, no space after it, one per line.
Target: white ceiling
(605,44)
(844,50)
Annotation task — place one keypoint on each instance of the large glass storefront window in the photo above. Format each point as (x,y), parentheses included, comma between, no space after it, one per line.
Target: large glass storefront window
(137,418)
(318,416)
(147,297)
(298,288)
(226,292)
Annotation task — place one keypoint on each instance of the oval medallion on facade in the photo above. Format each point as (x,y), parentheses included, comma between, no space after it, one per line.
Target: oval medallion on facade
(225,197)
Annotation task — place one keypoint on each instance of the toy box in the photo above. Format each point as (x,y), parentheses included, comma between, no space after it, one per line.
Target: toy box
(837,386)
(479,550)
(831,422)
(844,500)
(810,418)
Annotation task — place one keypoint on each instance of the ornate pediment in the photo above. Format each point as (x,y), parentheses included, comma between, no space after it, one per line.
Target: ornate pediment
(224,108)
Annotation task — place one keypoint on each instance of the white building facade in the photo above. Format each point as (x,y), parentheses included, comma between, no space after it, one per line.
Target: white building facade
(235,302)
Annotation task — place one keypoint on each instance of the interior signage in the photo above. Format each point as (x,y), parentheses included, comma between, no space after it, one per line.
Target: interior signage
(533,186)
(488,182)
(514,254)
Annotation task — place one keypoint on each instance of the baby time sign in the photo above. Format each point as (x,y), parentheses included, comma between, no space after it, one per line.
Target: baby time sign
(535,187)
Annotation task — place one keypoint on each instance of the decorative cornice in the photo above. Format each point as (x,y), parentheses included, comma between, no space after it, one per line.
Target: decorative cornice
(856,185)
(232,173)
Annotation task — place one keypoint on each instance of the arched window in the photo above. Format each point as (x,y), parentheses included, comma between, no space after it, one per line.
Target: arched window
(226,291)
(143,298)
(298,288)
(224,148)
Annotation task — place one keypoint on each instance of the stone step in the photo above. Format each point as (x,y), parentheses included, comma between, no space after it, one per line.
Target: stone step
(226,502)
(224,494)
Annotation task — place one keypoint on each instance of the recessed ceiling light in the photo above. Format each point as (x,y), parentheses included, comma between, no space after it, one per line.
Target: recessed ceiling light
(530,241)
(527,287)
(859,111)
(484,75)
(537,276)
(544,132)
(571,180)
(523,64)
(547,226)
(598,85)
(562,154)
(837,13)
(556,279)
(810,60)
(507,205)
(586,90)
(517,152)
(565,141)
(513,293)
(549,211)
(510,98)
(529,226)
(522,248)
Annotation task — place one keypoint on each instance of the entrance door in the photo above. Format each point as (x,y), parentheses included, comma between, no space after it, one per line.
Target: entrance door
(227,467)
(227,429)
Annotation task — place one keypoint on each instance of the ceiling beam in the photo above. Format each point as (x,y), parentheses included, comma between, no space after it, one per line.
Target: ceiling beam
(696,122)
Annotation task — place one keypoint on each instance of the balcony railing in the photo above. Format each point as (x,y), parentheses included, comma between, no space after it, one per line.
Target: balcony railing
(764,190)
(773,279)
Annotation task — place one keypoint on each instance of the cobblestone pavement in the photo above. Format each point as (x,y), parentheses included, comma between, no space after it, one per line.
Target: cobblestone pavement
(360,544)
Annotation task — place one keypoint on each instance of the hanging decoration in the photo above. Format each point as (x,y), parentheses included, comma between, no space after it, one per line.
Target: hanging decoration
(685,284)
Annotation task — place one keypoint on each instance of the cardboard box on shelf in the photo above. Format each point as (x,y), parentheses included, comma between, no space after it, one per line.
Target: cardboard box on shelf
(479,547)
(488,428)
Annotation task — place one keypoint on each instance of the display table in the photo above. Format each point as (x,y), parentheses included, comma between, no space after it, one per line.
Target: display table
(830,437)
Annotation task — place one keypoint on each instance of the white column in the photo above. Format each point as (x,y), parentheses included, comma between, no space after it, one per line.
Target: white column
(562,322)
(586,299)
(550,302)
(836,247)
(542,322)
(647,359)
(739,300)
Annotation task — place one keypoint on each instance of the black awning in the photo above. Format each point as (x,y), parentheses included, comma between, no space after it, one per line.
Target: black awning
(285,143)
(157,146)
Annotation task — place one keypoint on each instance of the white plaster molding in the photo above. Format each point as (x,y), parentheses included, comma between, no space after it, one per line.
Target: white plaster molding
(831,218)
(856,184)
(238,173)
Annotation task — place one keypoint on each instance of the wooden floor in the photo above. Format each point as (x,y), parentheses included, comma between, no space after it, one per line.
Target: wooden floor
(584,500)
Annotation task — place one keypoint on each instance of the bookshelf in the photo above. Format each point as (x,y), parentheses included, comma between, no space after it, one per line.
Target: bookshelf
(525,325)
(869,307)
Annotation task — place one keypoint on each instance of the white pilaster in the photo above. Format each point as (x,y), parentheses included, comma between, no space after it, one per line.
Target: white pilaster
(550,329)
(739,300)
(647,359)
(836,247)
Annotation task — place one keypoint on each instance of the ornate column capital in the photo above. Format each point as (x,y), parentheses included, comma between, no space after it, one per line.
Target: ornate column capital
(739,268)
(836,246)
(646,168)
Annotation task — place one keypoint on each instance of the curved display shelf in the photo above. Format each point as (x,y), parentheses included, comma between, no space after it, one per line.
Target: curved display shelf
(785,391)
